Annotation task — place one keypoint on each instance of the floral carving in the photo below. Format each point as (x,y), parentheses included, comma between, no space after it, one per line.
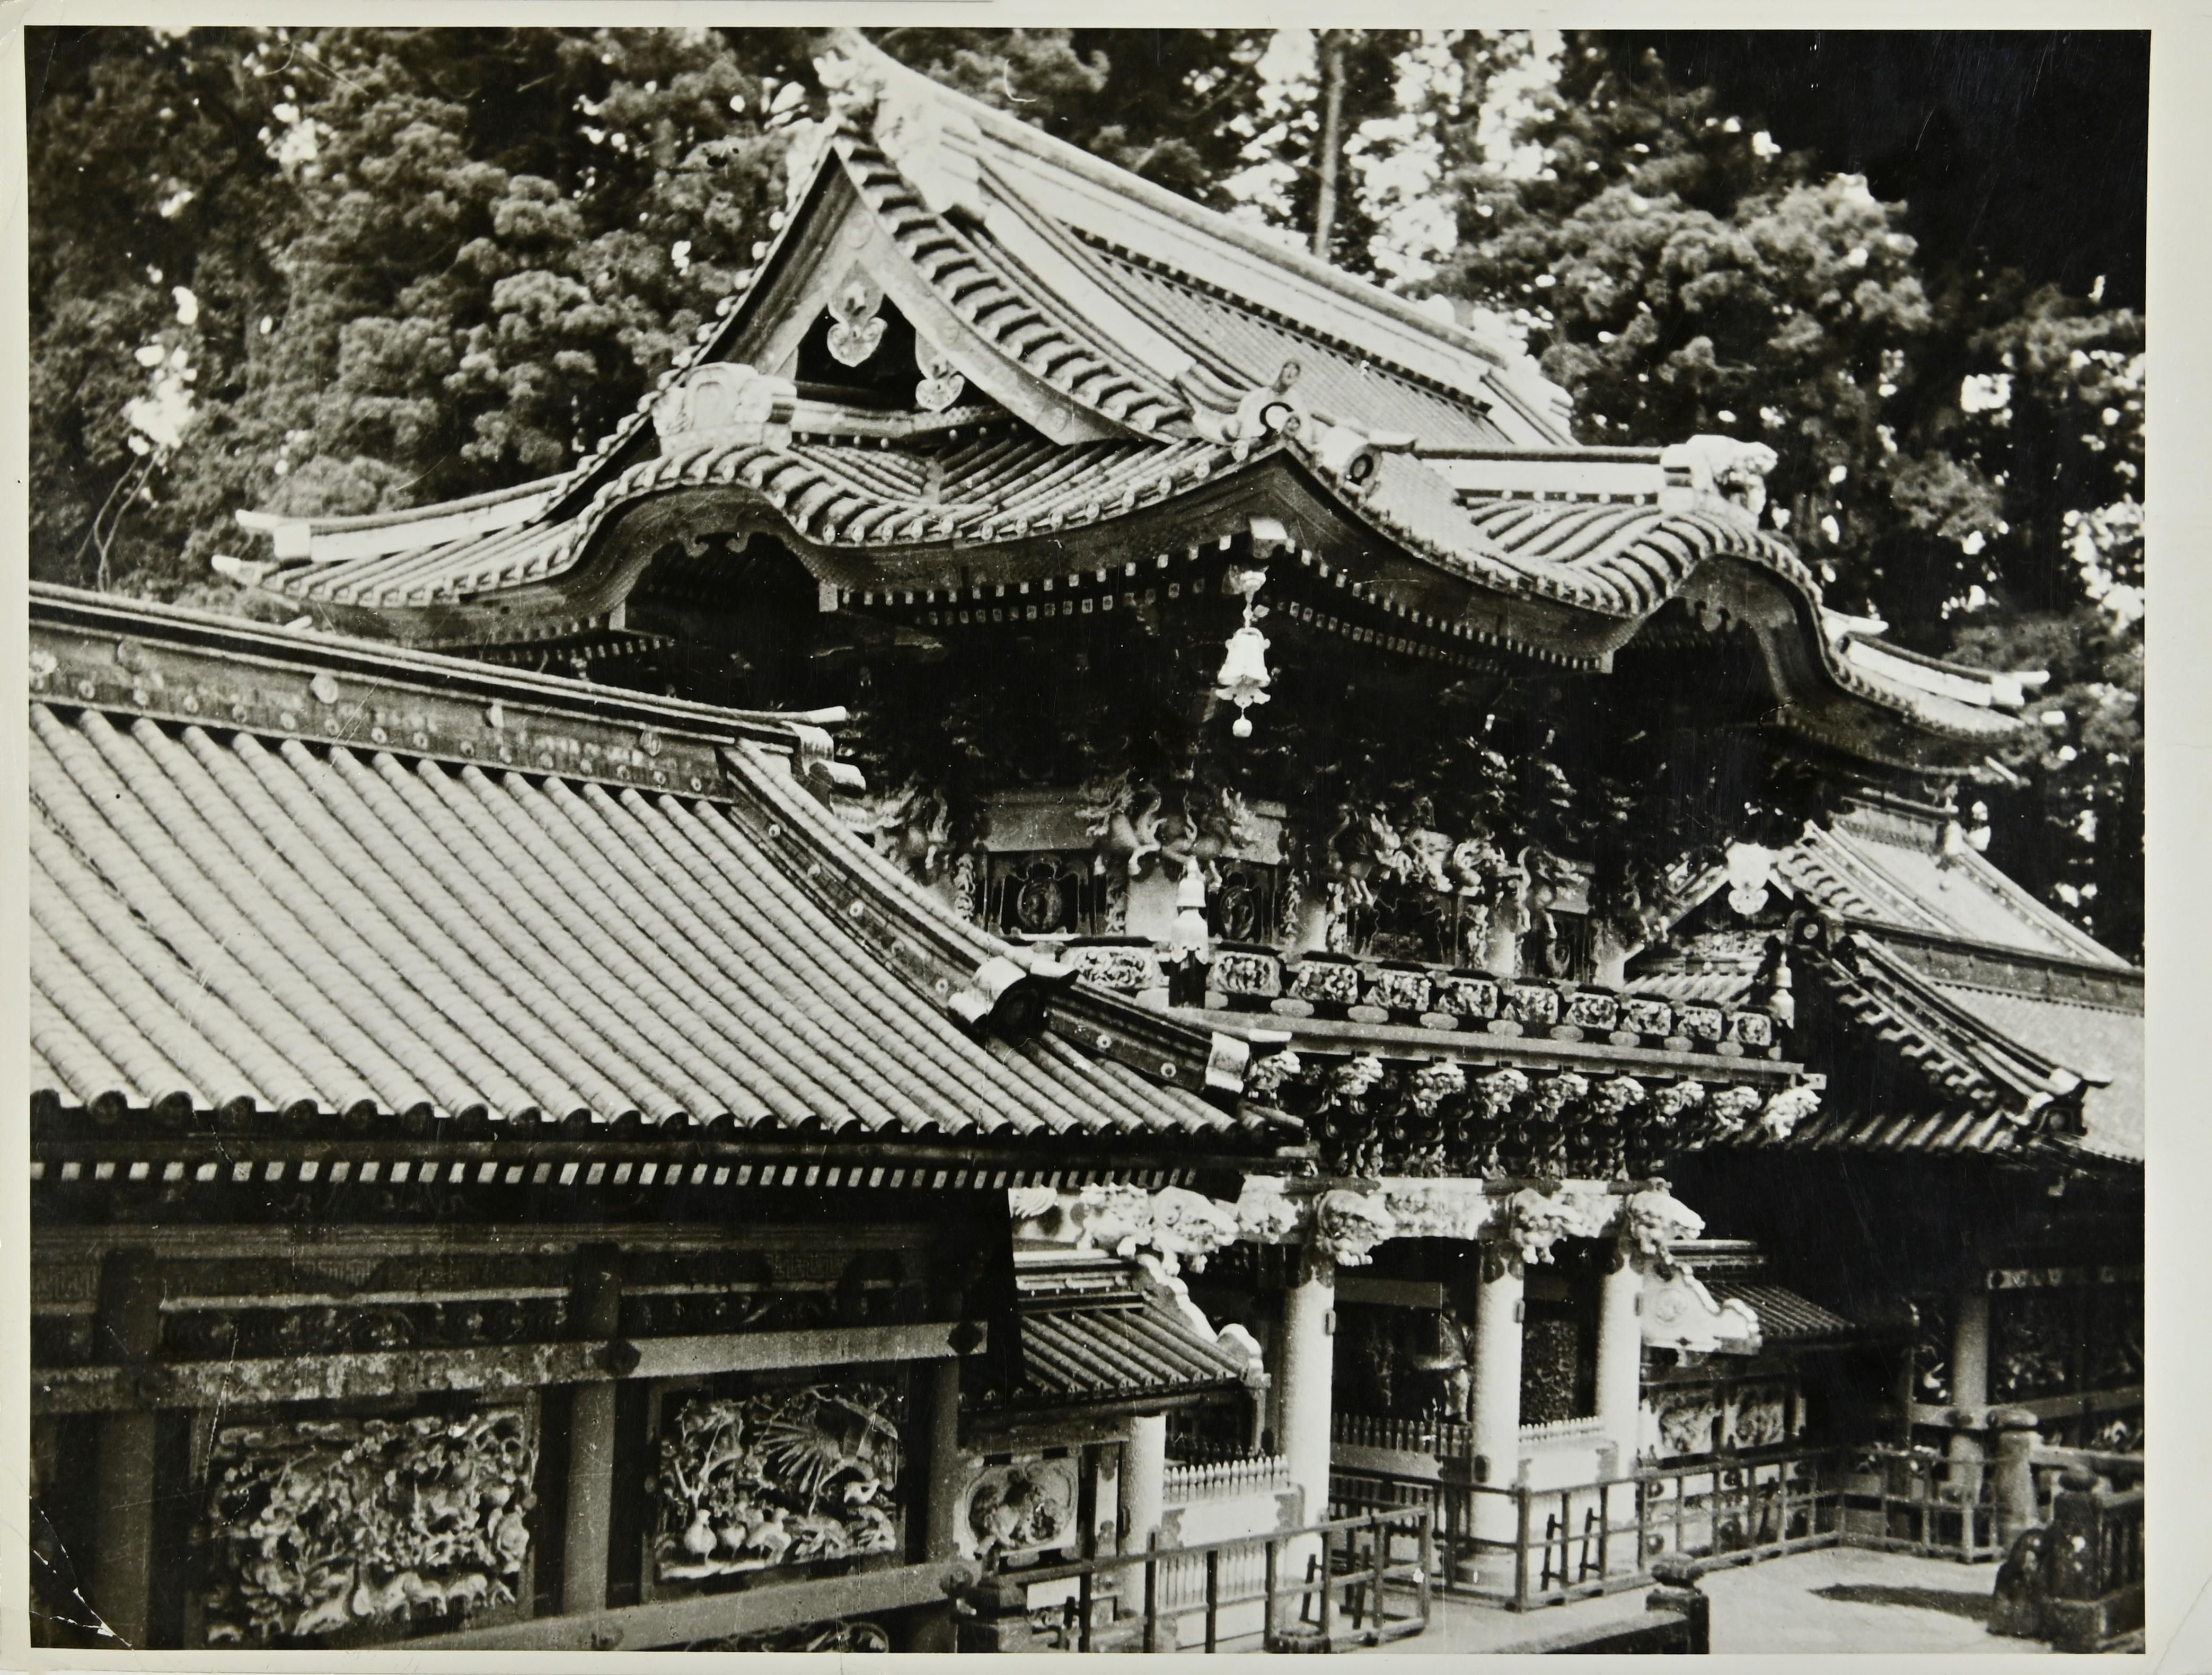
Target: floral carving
(1330,981)
(322,1527)
(1398,991)
(1438,1208)
(1127,968)
(1499,1090)
(1348,1225)
(1469,997)
(1554,1093)
(1532,1002)
(1672,1101)
(1238,971)
(782,1478)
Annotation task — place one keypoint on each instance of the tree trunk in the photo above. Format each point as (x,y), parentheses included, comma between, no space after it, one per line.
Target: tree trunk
(1330,158)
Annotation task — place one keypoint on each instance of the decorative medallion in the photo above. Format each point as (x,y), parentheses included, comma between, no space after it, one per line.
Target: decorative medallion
(1029,1507)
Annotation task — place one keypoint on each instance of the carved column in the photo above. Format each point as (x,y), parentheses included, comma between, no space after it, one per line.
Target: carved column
(1143,1480)
(1620,1356)
(1970,1388)
(123,1565)
(1496,1403)
(595,1313)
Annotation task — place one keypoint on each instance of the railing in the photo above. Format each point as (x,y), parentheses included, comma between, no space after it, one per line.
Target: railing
(1587,1429)
(1185,1483)
(1917,1501)
(1358,1580)
(2078,1580)
(1419,1437)
(1525,1547)
(1450,1438)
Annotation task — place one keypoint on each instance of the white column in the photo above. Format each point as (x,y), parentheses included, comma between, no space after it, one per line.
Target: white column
(1305,1376)
(1970,1384)
(1143,1480)
(1497,1397)
(1620,1357)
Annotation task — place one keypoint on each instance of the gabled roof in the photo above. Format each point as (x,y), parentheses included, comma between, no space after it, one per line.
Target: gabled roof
(280,876)
(1960,1014)
(1135,373)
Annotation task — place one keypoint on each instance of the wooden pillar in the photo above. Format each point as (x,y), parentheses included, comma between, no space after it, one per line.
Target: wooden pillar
(947,1474)
(129,1332)
(934,1629)
(1970,1387)
(1143,1480)
(1496,1405)
(595,1313)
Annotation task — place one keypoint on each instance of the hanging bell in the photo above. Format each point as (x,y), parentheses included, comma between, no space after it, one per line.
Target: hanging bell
(1244,679)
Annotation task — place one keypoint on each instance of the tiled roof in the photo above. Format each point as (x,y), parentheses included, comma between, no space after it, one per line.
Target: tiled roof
(2102,1043)
(2002,1027)
(1109,1341)
(1784,1317)
(1894,872)
(1117,328)
(234,916)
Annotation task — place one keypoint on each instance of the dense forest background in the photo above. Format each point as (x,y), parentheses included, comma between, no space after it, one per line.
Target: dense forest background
(346,270)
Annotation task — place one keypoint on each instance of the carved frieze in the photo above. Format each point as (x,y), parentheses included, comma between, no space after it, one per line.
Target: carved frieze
(778,1478)
(329,1527)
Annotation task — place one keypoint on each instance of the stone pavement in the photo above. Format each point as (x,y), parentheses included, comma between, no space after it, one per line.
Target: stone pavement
(1837,1600)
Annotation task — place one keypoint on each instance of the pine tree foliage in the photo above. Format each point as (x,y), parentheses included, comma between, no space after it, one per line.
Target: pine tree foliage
(347,270)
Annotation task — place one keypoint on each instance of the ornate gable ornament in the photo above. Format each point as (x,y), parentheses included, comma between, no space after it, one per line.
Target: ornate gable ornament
(929,141)
(726,401)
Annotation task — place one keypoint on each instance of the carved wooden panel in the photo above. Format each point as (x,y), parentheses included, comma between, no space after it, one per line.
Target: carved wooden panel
(770,1478)
(340,1531)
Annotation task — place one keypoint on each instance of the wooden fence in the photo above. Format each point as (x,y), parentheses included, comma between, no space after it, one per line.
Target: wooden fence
(1186,1482)
(1357,1581)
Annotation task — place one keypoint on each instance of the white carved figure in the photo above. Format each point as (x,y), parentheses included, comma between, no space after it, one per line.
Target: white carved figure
(1348,1225)
(1655,1221)
(1721,466)
(1266,1214)
(1188,1225)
